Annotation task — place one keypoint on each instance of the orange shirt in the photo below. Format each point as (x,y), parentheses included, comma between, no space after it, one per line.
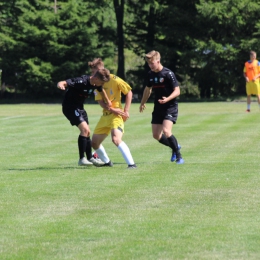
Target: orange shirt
(252,69)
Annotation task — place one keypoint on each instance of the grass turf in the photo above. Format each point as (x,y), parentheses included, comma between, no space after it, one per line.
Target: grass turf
(207,208)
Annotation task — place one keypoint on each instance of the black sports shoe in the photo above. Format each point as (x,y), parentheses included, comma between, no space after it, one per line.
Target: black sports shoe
(133,166)
(109,164)
(174,156)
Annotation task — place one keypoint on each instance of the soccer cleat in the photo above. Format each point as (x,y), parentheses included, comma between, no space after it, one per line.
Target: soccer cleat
(96,162)
(84,162)
(248,110)
(173,157)
(109,164)
(180,161)
(133,166)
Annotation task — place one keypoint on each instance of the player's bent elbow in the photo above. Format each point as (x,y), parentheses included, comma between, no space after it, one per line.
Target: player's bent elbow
(178,92)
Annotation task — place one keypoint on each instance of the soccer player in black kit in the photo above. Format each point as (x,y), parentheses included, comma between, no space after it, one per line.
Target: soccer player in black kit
(78,89)
(166,89)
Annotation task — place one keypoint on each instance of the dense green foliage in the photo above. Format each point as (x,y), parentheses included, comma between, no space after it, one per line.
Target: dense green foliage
(204,42)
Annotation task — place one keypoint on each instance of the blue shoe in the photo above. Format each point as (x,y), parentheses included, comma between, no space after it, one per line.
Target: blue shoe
(180,161)
(173,158)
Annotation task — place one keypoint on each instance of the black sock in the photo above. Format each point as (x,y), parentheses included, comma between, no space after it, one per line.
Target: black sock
(88,148)
(174,145)
(82,144)
(164,140)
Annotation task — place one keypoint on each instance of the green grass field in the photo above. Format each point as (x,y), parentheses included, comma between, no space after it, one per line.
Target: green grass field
(207,208)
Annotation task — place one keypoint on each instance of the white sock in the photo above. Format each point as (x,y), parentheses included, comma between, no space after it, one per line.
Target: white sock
(102,154)
(123,148)
(248,106)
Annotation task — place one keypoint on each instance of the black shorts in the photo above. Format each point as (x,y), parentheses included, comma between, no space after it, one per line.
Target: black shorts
(75,115)
(159,115)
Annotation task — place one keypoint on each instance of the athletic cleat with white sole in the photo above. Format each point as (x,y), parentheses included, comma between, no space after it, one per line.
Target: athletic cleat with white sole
(84,162)
(180,161)
(173,157)
(97,162)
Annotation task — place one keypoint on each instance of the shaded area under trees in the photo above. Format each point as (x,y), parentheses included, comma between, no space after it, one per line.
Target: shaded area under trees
(204,42)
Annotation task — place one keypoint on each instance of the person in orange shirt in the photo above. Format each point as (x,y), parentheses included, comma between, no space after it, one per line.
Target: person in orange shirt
(252,74)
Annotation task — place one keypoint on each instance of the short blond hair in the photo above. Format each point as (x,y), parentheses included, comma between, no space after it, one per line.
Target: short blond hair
(152,55)
(103,74)
(97,63)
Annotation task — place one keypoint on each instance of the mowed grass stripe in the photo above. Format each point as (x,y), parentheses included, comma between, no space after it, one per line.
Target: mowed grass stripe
(204,209)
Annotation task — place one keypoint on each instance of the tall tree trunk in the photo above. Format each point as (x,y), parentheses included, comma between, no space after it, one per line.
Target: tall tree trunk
(149,37)
(119,10)
(150,29)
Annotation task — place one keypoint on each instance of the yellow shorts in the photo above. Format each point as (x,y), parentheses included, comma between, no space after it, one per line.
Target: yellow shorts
(108,122)
(253,88)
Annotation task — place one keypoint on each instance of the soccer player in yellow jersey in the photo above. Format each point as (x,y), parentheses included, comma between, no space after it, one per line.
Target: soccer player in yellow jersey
(252,74)
(114,116)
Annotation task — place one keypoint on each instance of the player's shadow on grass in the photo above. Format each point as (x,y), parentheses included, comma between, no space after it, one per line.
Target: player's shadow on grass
(61,167)
(49,168)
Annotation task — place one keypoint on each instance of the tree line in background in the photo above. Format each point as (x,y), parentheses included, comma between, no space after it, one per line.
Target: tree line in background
(204,42)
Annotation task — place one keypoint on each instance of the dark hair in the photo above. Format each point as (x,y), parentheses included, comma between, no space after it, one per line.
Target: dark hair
(103,74)
(96,63)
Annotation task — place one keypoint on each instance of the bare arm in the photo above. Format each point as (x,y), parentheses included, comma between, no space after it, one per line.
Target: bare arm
(128,101)
(176,92)
(102,104)
(246,78)
(146,94)
(105,98)
(118,111)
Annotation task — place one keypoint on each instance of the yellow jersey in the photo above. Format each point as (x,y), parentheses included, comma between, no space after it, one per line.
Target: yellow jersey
(114,87)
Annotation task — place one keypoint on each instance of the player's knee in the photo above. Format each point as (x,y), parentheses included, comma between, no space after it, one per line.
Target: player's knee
(85,132)
(167,133)
(116,140)
(156,136)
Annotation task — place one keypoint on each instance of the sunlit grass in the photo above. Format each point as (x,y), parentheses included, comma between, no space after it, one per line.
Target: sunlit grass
(207,208)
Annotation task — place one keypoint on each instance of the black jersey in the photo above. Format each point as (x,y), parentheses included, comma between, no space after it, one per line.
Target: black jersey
(78,90)
(163,84)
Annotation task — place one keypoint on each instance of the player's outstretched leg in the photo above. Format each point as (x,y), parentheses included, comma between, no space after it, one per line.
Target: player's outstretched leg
(125,151)
(101,152)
